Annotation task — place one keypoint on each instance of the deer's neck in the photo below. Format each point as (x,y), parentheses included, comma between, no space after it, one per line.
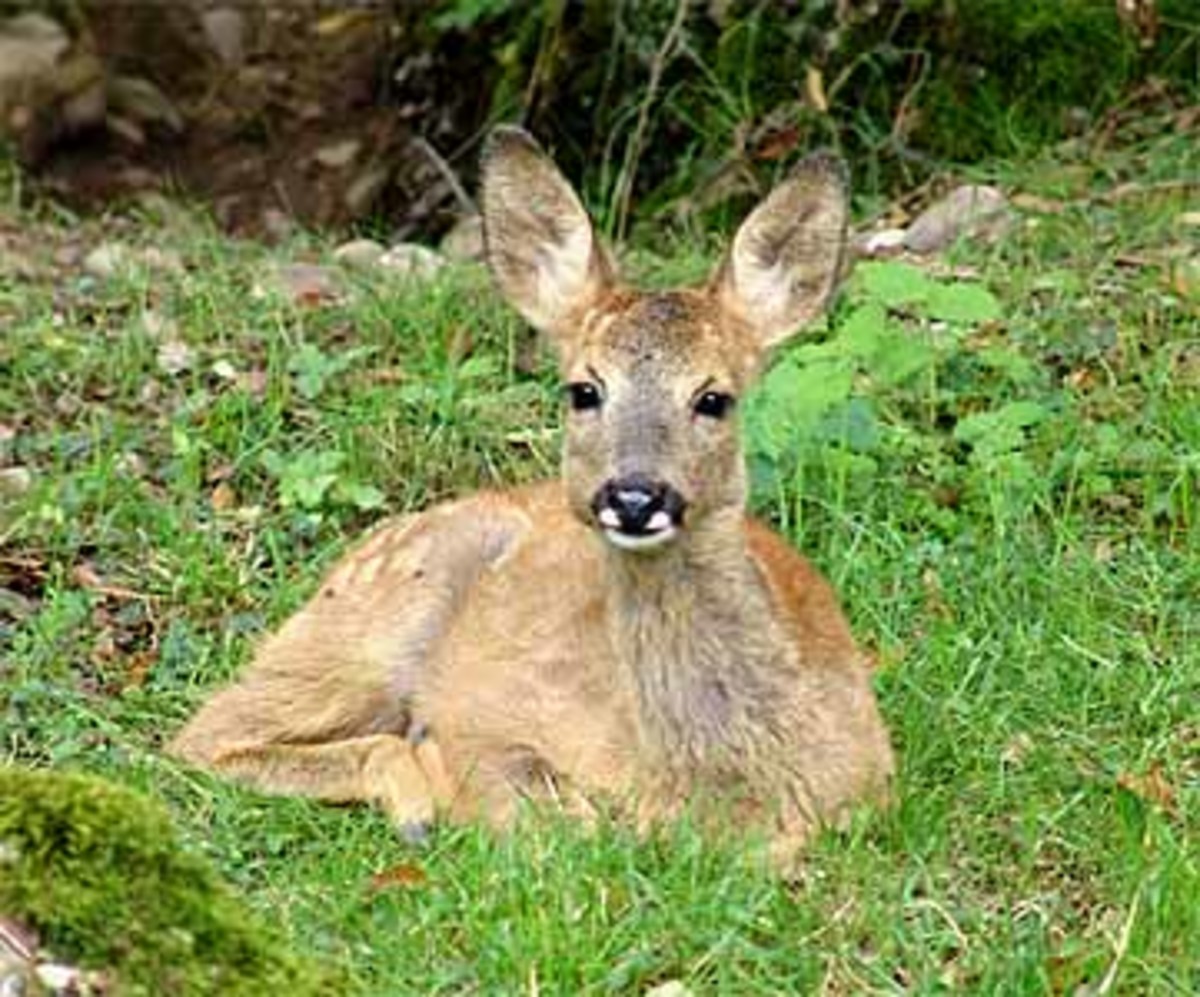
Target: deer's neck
(699,645)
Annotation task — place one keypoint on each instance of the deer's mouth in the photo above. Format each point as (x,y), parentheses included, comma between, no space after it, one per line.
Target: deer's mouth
(637,513)
(659,529)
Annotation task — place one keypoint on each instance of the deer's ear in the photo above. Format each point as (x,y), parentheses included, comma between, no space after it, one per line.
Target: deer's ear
(539,241)
(784,262)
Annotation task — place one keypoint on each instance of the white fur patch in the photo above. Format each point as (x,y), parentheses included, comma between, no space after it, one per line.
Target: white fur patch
(642,542)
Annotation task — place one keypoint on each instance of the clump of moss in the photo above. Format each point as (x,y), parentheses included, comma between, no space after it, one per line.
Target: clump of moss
(98,872)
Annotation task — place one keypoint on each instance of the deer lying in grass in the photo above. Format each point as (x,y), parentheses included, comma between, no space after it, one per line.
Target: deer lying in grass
(626,634)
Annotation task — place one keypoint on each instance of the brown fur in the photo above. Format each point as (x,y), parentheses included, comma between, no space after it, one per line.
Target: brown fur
(501,647)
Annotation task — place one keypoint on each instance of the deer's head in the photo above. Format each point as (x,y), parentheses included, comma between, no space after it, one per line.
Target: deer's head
(653,379)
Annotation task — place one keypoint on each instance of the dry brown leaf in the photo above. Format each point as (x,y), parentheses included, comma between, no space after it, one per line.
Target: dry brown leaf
(1152,787)
(1185,279)
(223,497)
(814,89)
(935,602)
(1037,204)
(404,875)
(138,667)
(86,577)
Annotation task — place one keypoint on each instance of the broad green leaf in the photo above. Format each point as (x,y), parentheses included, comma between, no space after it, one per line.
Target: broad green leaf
(901,358)
(895,284)
(791,400)
(999,430)
(363,497)
(968,304)
(853,424)
(864,331)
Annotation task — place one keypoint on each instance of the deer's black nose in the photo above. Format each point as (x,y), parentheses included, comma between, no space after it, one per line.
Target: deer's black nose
(637,505)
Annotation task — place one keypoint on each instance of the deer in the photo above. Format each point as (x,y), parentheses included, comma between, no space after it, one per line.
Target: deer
(625,640)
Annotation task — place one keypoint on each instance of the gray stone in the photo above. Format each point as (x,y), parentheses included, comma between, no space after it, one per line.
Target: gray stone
(359,253)
(409,259)
(225,30)
(464,241)
(970,210)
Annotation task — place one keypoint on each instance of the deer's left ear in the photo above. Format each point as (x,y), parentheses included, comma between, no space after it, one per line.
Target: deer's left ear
(783,265)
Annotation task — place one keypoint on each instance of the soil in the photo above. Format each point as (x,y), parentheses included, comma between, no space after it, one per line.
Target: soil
(316,124)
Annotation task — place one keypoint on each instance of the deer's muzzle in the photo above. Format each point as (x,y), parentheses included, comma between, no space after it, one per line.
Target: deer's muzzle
(636,512)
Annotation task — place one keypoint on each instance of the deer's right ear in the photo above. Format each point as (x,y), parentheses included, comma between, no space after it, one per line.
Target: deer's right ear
(540,243)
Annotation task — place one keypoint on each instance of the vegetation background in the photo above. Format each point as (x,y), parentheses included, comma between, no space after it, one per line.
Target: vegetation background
(993,451)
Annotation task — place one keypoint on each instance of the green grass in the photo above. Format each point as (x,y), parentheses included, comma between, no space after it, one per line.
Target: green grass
(1013,523)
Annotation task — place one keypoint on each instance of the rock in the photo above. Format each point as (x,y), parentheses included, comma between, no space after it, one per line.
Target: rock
(30,46)
(464,241)
(163,260)
(48,85)
(15,481)
(142,101)
(672,988)
(970,210)
(225,31)
(108,260)
(881,242)
(338,155)
(409,259)
(175,357)
(359,253)
(306,283)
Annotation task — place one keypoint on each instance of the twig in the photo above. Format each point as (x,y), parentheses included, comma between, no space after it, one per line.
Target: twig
(1122,946)
(451,178)
(1127,190)
(634,150)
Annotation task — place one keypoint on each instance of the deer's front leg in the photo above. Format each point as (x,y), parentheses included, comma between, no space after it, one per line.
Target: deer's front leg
(407,781)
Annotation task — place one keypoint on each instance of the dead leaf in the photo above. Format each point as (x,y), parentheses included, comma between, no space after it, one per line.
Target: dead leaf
(814,89)
(405,875)
(1037,204)
(1017,748)
(1185,279)
(223,497)
(1151,787)
(86,577)
(935,602)
(138,666)
(254,382)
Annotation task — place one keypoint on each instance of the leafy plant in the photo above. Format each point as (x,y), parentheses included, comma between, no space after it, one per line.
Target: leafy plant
(313,479)
(312,368)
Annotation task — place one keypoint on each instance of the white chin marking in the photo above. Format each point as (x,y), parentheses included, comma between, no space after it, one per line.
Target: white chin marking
(641,542)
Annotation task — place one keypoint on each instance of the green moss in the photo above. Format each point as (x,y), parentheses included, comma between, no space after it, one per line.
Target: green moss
(98,871)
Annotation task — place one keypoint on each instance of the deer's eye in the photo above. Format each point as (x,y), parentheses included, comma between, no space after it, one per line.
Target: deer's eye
(713,404)
(583,395)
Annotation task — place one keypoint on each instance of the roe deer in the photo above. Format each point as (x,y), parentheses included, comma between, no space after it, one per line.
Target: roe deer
(625,635)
